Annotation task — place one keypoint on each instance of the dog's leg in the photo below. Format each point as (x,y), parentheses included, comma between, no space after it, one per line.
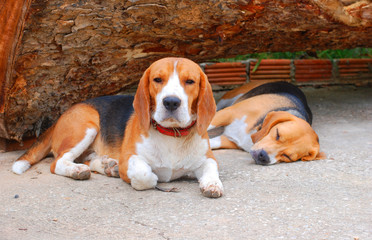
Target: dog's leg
(103,165)
(209,180)
(222,142)
(140,174)
(64,163)
(37,152)
(222,118)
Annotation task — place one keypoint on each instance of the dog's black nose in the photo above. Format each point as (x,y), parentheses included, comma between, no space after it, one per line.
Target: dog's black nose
(260,157)
(171,103)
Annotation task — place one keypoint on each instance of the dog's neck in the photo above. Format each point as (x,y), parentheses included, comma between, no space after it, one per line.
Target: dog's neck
(173,132)
(297,113)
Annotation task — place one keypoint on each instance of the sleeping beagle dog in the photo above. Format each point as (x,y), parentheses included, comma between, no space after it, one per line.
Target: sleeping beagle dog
(270,120)
(161,138)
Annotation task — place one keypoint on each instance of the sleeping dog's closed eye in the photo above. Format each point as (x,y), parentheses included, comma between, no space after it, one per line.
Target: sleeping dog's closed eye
(277,135)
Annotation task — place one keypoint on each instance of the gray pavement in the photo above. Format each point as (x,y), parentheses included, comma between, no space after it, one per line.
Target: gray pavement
(325,199)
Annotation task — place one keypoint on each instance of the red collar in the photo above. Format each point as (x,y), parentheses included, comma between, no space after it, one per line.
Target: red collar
(173,132)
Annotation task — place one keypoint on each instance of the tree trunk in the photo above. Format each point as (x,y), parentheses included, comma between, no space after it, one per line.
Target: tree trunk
(71,50)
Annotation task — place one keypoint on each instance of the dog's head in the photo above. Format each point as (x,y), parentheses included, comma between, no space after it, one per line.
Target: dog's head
(175,92)
(285,138)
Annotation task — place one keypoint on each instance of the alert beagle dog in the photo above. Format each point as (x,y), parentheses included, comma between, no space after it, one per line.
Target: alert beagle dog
(161,138)
(271,121)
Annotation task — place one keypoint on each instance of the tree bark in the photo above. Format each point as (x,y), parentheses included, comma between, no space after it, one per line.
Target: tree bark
(73,50)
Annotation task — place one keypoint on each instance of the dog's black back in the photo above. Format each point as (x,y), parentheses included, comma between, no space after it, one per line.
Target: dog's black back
(114,112)
(288,90)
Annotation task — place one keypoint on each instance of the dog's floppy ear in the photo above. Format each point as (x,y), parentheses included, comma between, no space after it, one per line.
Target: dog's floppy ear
(270,121)
(310,157)
(320,155)
(206,107)
(141,103)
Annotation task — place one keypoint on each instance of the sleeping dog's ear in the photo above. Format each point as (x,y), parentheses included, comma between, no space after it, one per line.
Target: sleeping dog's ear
(271,119)
(316,155)
(206,107)
(141,103)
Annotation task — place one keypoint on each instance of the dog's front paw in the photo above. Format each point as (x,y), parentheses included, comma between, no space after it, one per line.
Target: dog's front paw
(211,189)
(144,180)
(140,174)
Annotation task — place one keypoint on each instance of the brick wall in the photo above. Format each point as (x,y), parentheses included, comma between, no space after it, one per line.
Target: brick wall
(299,72)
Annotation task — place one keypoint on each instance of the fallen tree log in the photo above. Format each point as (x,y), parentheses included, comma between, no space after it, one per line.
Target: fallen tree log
(58,52)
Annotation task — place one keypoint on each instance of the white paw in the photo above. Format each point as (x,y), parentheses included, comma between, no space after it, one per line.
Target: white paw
(20,166)
(211,188)
(140,174)
(144,180)
(80,172)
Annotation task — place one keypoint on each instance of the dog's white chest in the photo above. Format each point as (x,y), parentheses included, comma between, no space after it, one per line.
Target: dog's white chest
(171,157)
(237,132)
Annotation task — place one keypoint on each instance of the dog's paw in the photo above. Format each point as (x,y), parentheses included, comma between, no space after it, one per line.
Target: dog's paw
(144,180)
(211,189)
(20,166)
(111,167)
(80,172)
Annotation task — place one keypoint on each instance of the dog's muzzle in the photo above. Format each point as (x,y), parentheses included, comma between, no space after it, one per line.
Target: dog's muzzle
(171,103)
(260,157)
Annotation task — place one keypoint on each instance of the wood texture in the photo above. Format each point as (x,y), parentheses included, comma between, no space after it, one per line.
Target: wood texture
(74,50)
(12,13)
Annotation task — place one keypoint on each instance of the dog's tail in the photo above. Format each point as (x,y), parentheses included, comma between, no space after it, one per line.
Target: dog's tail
(37,152)
(215,132)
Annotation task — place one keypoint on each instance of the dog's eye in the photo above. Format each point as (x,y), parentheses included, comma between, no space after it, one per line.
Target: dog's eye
(286,156)
(158,80)
(190,81)
(277,135)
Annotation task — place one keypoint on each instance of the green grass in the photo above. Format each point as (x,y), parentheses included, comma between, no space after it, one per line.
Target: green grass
(326,54)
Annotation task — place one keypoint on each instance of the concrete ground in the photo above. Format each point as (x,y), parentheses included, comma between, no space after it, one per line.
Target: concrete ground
(325,199)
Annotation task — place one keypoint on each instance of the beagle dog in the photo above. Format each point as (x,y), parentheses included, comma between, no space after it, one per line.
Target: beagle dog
(270,120)
(161,138)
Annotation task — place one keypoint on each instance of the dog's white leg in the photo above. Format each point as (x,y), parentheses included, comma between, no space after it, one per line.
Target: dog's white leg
(209,180)
(140,174)
(215,142)
(65,165)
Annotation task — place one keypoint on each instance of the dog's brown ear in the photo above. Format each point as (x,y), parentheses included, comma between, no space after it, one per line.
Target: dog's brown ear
(314,156)
(320,155)
(206,107)
(141,103)
(270,121)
